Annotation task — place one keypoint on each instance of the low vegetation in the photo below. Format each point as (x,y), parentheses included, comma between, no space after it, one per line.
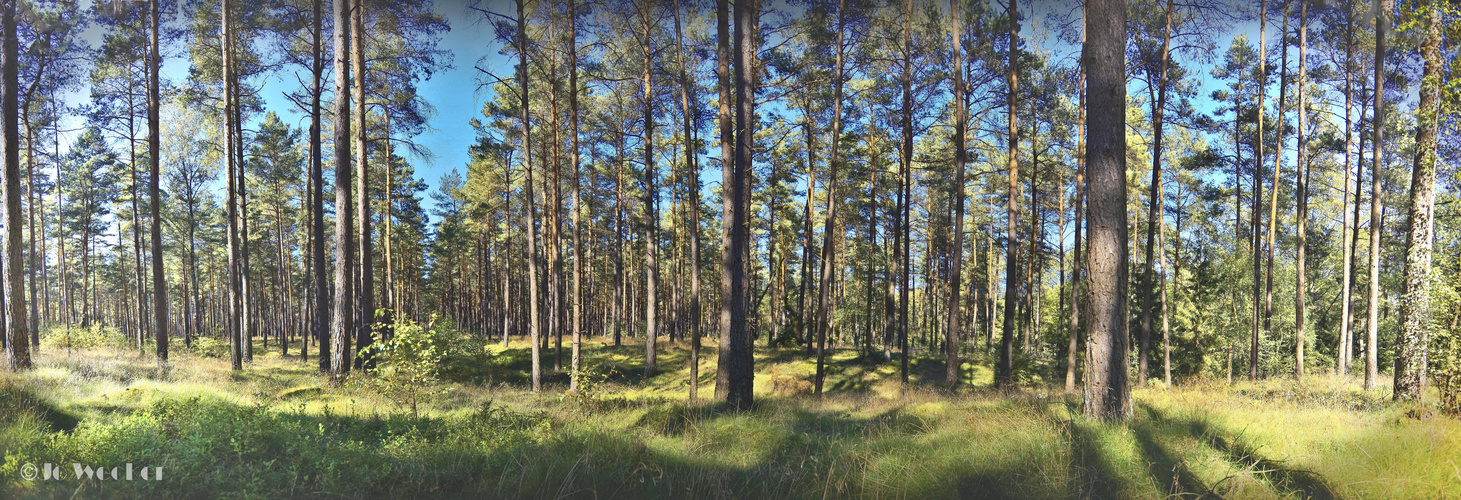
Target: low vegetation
(280,429)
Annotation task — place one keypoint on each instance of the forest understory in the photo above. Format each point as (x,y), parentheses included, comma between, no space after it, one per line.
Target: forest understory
(282,430)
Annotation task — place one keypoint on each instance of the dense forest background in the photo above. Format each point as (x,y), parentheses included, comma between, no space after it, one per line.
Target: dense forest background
(899,178)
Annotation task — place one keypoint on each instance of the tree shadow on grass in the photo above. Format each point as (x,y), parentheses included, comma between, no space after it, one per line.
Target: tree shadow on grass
(1093,469)
(1170,471)
(1291,480)
(15,402)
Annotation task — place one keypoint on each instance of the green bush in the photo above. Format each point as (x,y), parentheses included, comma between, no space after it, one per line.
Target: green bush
(210,347)
(87,337)
(408,363)
(594,393)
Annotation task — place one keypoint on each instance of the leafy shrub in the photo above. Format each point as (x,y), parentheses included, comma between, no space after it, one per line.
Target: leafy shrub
(408,364)
(211,347)
(88,337)
(593,393)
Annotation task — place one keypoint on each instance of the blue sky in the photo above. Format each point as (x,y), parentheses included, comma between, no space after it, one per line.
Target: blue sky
(453,92)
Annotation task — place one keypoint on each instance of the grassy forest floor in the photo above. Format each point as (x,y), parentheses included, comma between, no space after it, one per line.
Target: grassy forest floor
(278,429)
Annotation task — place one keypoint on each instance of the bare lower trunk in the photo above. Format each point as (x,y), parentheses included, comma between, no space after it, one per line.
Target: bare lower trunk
(829,248)
(1004,370)
(154,142)
(1076,276)
(735,371)
(1107,387)
(1372,351)
(342,327)
(17,345)
(956,271)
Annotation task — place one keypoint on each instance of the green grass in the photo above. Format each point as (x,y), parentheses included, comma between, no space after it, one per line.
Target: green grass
(278,429)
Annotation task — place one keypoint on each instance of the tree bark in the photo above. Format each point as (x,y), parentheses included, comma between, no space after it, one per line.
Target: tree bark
(829,228)
(905,200)
(1372,351)
(1415,308)
(343,327)
(651,213)
(734,373)
(578,257)
(317,202)
(956,271)
(1342,351)
(17,348)
(1154,209)
(1076,261)
(1272,244)
(364,331)
(1107,387)
(154,148)
(1004,369)
(235,300)
(530,210)
(694,187)
(1302,192)
(1258,190)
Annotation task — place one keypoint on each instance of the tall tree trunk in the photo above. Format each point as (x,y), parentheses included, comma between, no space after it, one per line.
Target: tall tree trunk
(553,206)
(1342,351)
(694,222)
(505,254)
(193,293)
(1162,259)
(621,283)
(1258,190)
(1372,351)
(805,314)
(873,204)
(578,258)
(249,308)
(734,375)
(1107,387)
(388,319)
(829,228)
(365,330)
(1302,192)
(1154,208)
(1415,309)
(30,213)
(651,212)
(64,277)
(956,272)
(154,148)
(1004,369)
(17,348)
(1359,189)
(905,224)
(530,211)
(342,327)
(138,328)
(235,305)
(33,259)
(1272,245)
(317,194)
(1076,262)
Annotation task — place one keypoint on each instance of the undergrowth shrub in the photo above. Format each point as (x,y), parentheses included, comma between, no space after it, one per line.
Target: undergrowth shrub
(87,337)
(408,364)
(210,347)
(594,393)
